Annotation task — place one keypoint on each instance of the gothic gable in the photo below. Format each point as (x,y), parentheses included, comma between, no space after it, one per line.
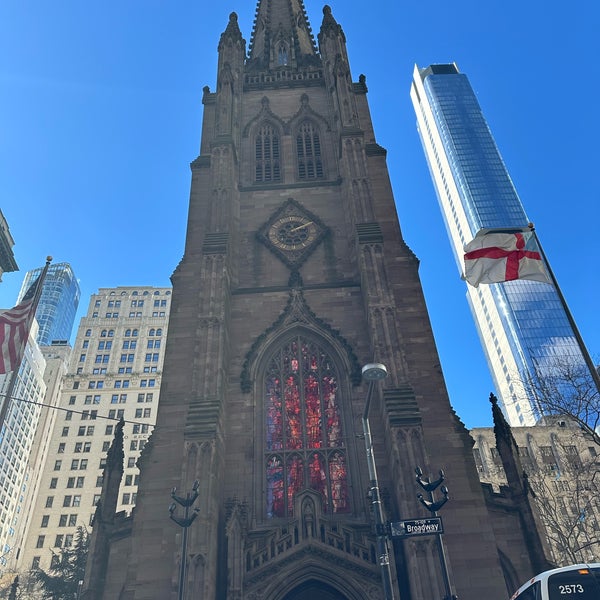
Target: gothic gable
(297,313)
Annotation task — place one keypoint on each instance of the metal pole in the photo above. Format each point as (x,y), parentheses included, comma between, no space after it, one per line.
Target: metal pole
(184,523)
(582,347)
(382,543)
(182,567)
(444,564)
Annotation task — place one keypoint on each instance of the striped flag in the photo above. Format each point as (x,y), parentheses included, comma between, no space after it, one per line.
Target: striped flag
(15,324)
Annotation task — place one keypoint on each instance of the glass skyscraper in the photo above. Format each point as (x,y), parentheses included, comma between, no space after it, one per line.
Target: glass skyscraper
(58,303)
(522,324)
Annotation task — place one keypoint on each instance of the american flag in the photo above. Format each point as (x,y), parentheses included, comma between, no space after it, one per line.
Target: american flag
(14,330)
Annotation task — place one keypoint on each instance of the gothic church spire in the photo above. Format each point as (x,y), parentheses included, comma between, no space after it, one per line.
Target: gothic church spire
(282,36)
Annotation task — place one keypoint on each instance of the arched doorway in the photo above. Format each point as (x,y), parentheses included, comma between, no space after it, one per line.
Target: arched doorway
(311,590)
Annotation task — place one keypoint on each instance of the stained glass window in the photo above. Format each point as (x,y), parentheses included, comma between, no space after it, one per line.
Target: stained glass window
(304,439)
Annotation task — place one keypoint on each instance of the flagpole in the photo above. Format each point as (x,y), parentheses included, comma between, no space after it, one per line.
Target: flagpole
(15,373)
(582,347)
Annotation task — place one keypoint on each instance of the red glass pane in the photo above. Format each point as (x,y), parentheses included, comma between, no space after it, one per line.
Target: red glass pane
(274,416)
(317,475)
(312,403)
(338,476)
(295,480)
(275,504)
(293,428)
(333,422)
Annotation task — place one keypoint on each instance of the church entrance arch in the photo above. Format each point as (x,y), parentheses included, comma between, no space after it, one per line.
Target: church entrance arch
(309,590)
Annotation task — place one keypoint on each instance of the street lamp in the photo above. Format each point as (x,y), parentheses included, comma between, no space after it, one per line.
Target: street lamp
(374,372)
(433,506)
(184,523)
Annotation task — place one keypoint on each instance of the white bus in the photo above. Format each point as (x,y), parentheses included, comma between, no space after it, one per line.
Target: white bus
(577,582)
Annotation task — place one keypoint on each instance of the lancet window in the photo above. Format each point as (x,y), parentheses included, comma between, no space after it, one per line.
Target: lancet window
(304,442)
(282,55)
(308,150)
(268,158)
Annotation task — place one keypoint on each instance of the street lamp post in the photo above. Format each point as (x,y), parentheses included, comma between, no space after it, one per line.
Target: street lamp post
(372,373)
(184,523)
(433,507)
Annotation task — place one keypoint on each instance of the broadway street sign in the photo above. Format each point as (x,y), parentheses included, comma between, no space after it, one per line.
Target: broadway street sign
(414,527)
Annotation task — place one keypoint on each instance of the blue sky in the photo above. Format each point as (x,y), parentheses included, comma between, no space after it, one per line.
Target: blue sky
(100,116)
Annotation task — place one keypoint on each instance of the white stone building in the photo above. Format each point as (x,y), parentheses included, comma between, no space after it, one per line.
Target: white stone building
(114,373)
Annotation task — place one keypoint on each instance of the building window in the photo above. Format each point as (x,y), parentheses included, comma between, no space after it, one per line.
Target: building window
(57,465)
(49,501)
(45,520)
(305,447)
(282,56)
(308,152)
(40,541)
(35,563)
(53,483)
(267,154)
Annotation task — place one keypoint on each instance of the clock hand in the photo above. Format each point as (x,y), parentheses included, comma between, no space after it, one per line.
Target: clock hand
(301,226)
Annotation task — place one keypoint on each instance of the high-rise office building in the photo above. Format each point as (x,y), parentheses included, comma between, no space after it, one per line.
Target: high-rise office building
(16,443)
(522,325)
(115,372)
(295,275)
(58,303)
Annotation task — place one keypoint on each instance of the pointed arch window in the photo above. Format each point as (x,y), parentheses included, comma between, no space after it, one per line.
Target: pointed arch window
(304,443)
(267,148)
(308,150)
(282,55)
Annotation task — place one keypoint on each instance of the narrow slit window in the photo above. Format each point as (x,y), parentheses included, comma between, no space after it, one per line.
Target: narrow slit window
(267,149)
(308,150)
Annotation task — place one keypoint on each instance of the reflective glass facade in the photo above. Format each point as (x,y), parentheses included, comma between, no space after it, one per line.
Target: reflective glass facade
(58,303)
(522,324)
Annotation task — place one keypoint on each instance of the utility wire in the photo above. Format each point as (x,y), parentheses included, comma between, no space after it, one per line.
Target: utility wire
(77,412)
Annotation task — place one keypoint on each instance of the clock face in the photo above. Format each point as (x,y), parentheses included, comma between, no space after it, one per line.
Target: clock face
(292,233)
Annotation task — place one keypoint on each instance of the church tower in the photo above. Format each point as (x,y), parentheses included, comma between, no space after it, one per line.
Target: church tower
(295,275)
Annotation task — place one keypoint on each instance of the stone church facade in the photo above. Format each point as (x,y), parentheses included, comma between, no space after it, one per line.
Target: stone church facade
(295,274)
